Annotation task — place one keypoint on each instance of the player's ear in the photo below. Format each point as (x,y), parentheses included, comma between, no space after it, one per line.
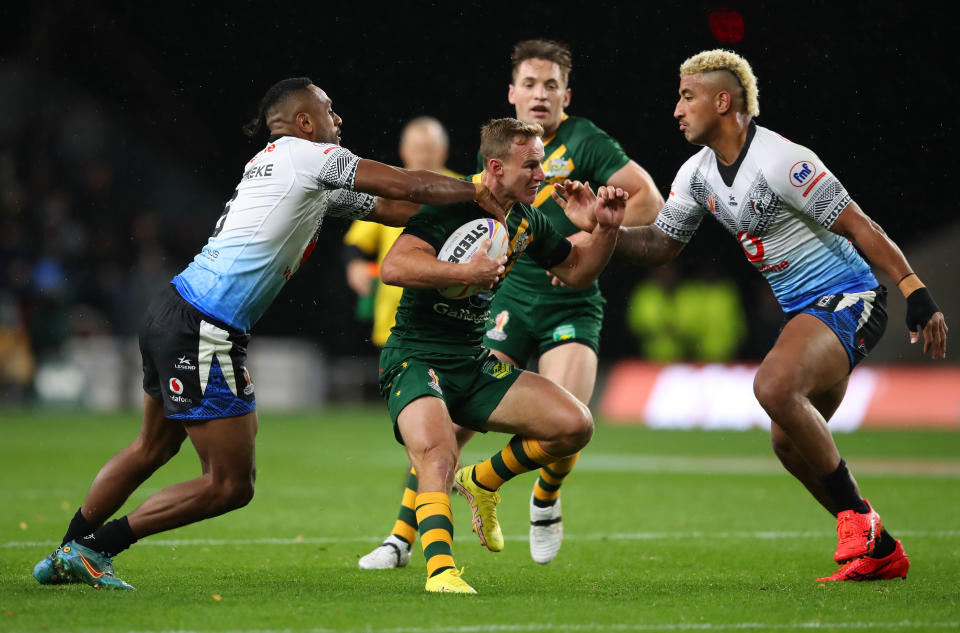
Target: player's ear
(723,101)
(566,98)
(495,167)
(304,122)
(510,96)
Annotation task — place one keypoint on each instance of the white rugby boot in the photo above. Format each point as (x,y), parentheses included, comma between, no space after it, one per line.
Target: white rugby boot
(546,532)
(393,553)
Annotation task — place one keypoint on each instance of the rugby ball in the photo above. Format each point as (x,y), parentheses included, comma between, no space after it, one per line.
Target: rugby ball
(464,243)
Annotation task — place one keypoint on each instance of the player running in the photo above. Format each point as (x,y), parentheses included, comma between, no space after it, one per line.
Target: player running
(793,219)
(434,370)
(194,337)
(530,317)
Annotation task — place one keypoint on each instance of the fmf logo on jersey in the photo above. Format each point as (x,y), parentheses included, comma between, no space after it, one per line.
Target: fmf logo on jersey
(176,386)
(802,172)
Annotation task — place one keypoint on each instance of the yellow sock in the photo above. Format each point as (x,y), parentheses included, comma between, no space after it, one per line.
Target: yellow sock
(547,489)
(521,455)
(405,527)
(436,531)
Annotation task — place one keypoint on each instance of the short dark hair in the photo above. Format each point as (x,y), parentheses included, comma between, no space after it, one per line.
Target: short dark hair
(274,95)
(549,50)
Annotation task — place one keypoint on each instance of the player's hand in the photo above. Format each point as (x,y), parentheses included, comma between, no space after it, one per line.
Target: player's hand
(611,205)
(484,198)
(577,201)
(484,270)
(923,314)
(934,337)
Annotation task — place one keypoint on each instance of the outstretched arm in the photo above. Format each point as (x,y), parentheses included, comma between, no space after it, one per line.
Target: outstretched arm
(588,258)
(392,212)
(922,312)
(421,186)
(647,245)
(645,201)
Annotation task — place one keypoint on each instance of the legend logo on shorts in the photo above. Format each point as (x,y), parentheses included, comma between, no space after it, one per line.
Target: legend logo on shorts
(176,386)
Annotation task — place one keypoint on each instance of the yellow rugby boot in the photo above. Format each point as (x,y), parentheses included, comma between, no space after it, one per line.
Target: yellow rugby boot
(483,504)
(449,581)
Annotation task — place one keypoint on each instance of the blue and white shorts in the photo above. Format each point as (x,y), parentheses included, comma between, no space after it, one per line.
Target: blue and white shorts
(857,318)
(194,363)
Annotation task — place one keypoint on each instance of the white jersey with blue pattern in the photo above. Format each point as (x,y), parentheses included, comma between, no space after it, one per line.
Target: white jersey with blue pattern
(269,227)
(780,206)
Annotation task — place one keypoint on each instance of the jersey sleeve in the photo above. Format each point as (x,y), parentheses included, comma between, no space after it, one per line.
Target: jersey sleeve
(431,224)
(602,157)
(351,205)
(548,248)
(681,215)
(806,185)
(326,166)
(363,235)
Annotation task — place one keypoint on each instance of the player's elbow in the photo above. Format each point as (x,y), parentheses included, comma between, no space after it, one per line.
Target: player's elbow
(390,273)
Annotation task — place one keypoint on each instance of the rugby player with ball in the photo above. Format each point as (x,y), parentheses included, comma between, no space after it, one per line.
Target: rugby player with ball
(434,372)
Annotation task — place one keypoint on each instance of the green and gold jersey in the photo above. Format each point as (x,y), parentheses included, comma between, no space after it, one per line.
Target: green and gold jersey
(428,321)
(578,151)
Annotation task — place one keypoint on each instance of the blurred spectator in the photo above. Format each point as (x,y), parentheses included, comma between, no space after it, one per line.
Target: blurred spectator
(423,145)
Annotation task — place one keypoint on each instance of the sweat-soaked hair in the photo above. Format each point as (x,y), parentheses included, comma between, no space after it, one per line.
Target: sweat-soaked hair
(274,95)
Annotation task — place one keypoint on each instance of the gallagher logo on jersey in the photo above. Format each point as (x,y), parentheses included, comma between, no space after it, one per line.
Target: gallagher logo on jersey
(802,172)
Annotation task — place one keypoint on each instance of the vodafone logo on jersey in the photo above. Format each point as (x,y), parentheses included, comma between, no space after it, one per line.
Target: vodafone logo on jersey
(176,386)
(802,172)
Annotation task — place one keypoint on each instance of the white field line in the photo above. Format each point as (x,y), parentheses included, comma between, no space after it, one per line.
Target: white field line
(611,463)
(639,628)
(634,536)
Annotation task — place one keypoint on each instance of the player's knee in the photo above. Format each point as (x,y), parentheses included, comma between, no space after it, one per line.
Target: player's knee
(437,464)
(774,392)
(577,427)
(235,493)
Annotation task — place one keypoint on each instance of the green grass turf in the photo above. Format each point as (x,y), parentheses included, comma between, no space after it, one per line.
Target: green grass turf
(666,531)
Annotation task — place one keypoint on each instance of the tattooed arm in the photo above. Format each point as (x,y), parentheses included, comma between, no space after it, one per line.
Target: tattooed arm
(646,245)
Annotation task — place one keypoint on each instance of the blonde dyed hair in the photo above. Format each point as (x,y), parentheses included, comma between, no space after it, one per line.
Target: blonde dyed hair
(499,135)
(720,59)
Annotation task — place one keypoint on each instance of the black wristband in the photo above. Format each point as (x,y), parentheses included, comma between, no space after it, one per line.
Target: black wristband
(920,307)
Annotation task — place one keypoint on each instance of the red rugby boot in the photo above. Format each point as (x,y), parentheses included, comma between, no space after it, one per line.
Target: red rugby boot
(857,533)
(889,567)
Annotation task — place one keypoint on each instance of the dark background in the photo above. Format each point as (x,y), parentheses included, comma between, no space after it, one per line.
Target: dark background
(869,87)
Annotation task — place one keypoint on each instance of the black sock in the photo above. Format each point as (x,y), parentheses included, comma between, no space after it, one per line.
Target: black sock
(885,545)
(110,538)
(843,491)
(79,526)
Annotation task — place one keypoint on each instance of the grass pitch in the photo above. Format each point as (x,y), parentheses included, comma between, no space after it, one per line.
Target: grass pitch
(665,531)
